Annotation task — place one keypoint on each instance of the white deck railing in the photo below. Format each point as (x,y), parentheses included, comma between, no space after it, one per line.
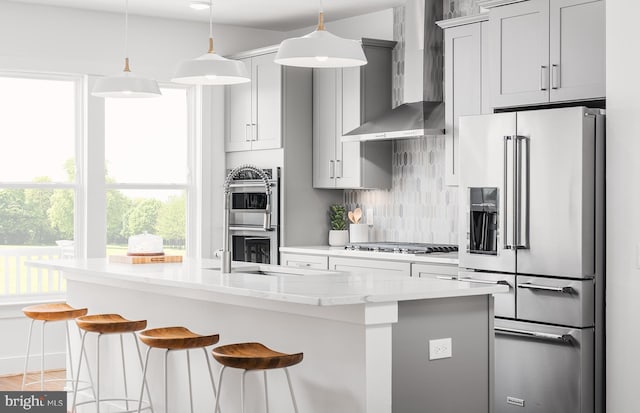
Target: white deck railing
(17,280)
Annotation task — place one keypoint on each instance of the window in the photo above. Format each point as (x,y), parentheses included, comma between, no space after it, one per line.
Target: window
(147,165)
(39,132)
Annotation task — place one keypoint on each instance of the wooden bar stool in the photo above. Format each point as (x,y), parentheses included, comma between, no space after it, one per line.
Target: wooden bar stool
(255,356)
(107,324)
(47,313)
(173,339)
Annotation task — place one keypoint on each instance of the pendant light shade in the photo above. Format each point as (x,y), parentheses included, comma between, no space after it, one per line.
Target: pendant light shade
(211,68)
(320,49)
(126,84)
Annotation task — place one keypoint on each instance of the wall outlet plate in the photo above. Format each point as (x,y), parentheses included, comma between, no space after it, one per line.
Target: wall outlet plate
(440,348)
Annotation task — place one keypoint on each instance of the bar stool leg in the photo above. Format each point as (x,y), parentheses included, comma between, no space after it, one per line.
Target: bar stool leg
(66,324)
(124,374)
(42,359)
(98,374)
(242,389)
(266,392)
(293,397)
(189,377)
(26,360)
(75,386)
(166,382)
(83,352)
(144,377)
(213,383)
(144,380)
(217,409)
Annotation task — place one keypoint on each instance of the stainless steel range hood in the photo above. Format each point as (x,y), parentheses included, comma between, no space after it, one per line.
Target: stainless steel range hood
(423,112)
(409,120)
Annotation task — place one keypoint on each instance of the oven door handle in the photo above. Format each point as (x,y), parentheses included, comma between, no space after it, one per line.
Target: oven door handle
(252,228)
(562,338)
(251,185)
(566,289)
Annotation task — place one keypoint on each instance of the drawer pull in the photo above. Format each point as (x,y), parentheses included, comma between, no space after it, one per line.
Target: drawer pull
(477,281)
(530,286)
(446,277)
(563,338)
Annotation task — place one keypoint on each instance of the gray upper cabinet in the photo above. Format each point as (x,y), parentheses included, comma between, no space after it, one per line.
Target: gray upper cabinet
(546,51)
(466,86)
(254,110)
(343,99)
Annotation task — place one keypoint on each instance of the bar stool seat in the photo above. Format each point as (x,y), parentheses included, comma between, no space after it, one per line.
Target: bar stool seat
(172,339)
(176,338)
(254,357)
(109,324)
(46,313)
(53,312)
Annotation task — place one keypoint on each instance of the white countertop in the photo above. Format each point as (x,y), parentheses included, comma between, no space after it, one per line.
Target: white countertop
(435,258)
(313,287)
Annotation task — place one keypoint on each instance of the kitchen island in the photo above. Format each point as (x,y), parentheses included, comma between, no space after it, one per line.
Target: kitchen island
(365,339)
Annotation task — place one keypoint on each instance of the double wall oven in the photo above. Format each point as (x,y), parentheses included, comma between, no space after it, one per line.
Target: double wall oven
(250,240)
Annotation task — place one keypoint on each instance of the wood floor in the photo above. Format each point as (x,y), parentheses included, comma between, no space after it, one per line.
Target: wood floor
(13,383)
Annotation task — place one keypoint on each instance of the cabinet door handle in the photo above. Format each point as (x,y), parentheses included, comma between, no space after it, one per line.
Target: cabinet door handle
(247,132)
(332,169)
(254,131)
(555,76)
(544,77)
(339,164)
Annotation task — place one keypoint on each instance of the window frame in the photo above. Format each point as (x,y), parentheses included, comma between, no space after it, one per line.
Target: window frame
(190,185)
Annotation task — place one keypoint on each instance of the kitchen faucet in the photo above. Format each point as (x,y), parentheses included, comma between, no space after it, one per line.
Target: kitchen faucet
(226,250)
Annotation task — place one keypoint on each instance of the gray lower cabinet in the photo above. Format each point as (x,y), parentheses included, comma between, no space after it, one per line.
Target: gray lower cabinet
(318,262)
(369,266)
(343,99)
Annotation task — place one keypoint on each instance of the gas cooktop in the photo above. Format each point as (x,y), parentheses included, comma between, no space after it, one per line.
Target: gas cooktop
(401,247)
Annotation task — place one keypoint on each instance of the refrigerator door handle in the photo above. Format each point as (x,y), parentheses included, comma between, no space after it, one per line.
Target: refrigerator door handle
(505,198)
(562,338)
(477,281)
(530,286)
(521,183)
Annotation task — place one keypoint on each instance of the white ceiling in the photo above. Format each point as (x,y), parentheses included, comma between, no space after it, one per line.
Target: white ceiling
(282,15)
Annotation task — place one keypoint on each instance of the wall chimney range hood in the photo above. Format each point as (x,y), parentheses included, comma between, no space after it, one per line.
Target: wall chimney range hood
(409,120)
(422,114)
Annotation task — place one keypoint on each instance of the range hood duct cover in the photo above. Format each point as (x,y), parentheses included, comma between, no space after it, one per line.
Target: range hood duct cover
(409,120)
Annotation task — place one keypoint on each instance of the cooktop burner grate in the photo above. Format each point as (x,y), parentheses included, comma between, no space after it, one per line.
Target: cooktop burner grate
(401,247)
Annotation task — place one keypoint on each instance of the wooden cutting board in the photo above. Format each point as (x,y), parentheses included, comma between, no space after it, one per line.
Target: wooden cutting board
(137,259)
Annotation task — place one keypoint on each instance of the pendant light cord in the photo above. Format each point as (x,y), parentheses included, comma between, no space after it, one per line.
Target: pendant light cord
(321,17)
(126,36)
(211,26)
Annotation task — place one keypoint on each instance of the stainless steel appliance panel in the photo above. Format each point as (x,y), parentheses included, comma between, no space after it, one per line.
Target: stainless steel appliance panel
(254,246)
(556,218)
(543,369)
(486,161)
(505,303)
(557,301)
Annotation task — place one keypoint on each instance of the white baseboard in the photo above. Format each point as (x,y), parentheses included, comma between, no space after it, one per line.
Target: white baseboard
(15,365)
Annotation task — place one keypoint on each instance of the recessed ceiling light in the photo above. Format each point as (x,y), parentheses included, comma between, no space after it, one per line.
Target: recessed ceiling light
(199,5)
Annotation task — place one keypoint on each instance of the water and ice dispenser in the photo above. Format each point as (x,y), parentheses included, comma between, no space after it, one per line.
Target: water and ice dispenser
(483,220)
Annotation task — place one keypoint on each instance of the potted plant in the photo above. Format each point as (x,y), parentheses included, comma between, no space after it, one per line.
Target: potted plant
(338,234)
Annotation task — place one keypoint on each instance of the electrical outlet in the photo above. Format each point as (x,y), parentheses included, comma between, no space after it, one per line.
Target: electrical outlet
(440,349)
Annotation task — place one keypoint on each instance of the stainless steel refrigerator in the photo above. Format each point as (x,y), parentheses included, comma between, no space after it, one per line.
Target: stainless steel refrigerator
(532,216)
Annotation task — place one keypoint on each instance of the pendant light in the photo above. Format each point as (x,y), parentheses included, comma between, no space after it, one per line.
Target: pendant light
(211,68)
(126,84)
(320,49)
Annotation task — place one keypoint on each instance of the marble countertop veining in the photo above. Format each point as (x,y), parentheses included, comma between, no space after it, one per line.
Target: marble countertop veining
(301,286)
